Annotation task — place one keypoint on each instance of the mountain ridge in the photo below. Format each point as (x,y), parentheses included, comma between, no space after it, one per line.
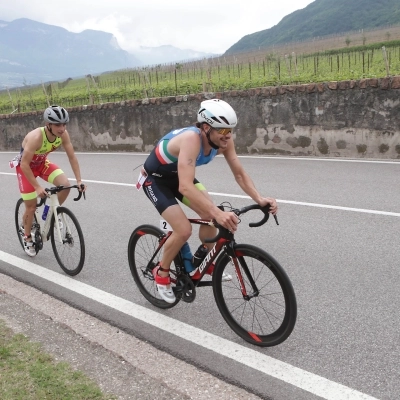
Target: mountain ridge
(322,18)
(33,52)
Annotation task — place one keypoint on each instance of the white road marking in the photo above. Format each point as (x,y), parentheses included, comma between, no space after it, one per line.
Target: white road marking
(298,203)
(255,157)
(312,383)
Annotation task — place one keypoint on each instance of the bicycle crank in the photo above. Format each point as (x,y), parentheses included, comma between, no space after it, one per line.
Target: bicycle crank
(185,289)
(38,241)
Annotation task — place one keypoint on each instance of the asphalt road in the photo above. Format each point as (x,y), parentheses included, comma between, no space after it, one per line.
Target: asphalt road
(337,240)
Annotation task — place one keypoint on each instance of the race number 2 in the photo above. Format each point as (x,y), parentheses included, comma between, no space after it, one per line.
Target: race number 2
(164,225)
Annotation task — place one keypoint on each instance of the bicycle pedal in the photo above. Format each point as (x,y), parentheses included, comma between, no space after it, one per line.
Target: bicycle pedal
(148,274)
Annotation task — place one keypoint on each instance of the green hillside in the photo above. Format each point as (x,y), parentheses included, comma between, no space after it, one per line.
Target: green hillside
(321,18)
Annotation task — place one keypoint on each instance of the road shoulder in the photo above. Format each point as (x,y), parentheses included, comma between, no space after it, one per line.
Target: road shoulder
(118,362)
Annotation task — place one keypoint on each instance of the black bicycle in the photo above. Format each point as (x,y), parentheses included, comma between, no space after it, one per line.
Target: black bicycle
(258,303)
(59,225)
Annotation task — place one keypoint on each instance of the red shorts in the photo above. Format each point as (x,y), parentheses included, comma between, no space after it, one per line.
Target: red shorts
(47,171)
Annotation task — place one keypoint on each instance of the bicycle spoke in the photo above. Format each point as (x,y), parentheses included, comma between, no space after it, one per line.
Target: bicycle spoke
(69,250)
(143,245)
(259,303)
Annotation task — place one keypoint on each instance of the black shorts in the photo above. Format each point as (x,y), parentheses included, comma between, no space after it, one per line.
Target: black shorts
(164,192)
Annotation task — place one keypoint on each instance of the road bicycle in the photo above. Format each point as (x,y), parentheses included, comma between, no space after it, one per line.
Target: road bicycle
(258,304)
(60,226)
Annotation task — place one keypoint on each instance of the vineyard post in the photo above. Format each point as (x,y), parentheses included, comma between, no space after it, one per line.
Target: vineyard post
(279,68)
(386,60)
(288,67)
(19,99)
(176,84)
(295,62)
(11,100)
(363,62)
(97,88)
(315,67)
(45,93)
(88,89)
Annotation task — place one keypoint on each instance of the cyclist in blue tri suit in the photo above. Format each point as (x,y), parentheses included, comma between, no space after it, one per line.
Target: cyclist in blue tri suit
(168,175)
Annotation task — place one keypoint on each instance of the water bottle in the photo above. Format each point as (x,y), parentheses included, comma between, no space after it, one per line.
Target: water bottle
(200,255)
(187,257)
(45,211)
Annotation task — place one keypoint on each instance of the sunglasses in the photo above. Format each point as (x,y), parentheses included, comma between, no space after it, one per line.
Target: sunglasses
(224,131)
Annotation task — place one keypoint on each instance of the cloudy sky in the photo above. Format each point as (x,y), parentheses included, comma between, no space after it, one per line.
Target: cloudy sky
(207,25)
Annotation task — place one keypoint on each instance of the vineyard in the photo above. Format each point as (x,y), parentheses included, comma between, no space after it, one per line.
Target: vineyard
(270,68)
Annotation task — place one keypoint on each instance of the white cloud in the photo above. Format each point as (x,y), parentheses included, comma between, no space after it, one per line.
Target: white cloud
(206,26)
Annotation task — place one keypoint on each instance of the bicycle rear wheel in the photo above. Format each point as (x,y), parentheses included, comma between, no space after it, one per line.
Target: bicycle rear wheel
(70,251)
(259,303)
(142,246)
(19,214)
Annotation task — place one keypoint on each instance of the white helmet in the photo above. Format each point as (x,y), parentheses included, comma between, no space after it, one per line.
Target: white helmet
(56,115)
(217,113)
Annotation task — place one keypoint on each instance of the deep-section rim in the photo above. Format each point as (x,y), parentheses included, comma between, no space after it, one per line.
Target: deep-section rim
(290,314)
(146,286)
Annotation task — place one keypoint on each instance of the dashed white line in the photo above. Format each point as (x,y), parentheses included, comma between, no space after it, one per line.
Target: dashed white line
(298,203)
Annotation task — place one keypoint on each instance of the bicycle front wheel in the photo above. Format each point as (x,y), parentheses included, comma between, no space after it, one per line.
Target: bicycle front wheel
(69,248)
(143,245)
(259,303)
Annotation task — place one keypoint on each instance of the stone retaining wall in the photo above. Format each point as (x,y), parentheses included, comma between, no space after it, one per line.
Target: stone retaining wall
(347,119)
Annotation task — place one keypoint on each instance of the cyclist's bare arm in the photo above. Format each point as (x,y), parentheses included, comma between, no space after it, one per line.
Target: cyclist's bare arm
(244,181)
(69,149)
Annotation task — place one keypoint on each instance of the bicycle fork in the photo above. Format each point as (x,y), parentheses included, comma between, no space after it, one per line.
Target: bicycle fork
(236,259)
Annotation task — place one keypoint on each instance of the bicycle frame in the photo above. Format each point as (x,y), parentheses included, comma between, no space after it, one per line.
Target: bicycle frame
(212,255)
(223,239)
(45,226)
(54,204)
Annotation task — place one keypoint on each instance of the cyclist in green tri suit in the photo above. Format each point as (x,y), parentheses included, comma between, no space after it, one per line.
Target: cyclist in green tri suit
(32,162)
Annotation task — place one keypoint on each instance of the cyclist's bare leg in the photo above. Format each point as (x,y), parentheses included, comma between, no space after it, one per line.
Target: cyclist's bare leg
(182,229)
(205,232)
(30,208)
(62,180)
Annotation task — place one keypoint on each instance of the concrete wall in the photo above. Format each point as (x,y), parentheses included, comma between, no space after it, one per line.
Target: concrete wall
(346,119)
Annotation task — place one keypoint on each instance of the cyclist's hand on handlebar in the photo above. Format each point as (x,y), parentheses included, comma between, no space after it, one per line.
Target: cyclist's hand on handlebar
(228,220)
(81,186)
(272,204)
(41,192)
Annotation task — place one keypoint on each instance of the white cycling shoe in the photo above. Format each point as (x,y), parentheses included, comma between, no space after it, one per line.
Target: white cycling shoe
(29,247)
(163,284)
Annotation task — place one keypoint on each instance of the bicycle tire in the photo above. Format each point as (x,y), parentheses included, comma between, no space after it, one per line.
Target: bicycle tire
(268,318)
(142,245)
(70,253)
(18,220)
(19,213)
